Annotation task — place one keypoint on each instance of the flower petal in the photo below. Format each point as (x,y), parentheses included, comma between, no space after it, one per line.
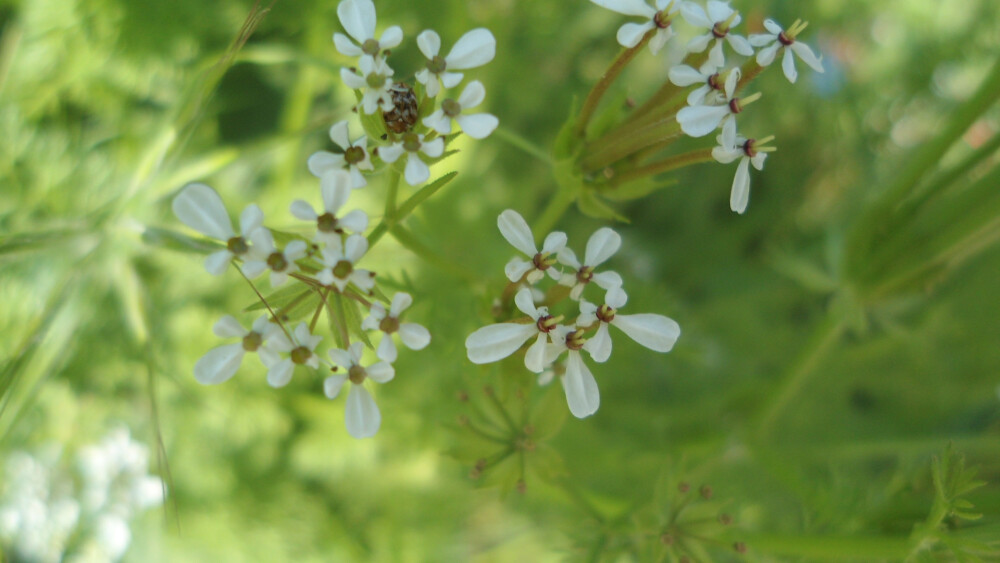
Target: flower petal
(400,302)
(391,153)
(473,49)
(280,373)
(229,327)
(321,162)
(740,44)
(684,75)
(534,359)
(219,364)
(525,302)
(361,416)
(341,358)
(516,268)
(336,188)
(345,46)
(332,385)
(381,372)
(788,66)
(698,121)
(433,148)
(251,219)
(391,37)
(472,95)
(356,221)
(496,342)
(695,15)
(302,210)
(656,332)
(429,43)
(387,349)
(630,34)
(581,390)
(807,56)
(414,336)
(599,345)
(478,125)
(602,245)
(627,7)
(416,172)
(439,122)
(515,229)
(766,55)
(200,207)
(740,194)
(358,18)
(607,280)
(217,262)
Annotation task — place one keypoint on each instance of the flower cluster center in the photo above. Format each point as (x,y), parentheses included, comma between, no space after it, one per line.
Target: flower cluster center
(734,105)
(451,108)
(546,323)
(585,274)
(343,269)
(370,47)
(605,313)
(389,325)
(543,261)
(252,341)
(301,355)
(411,142)
(748,148)
(574,340)
(720,29)
(437,65)
(662,19)
(277,262)
(357,374)
(784,39)
(328,223)
(714,82)
(354,155)
(375,80)
(237,245)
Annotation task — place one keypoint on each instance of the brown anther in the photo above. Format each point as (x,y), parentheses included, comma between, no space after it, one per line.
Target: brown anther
(389,325)
(714,83)
(357,374)
(605,313)
(354,155)
(725,519)
(437,65)
(662,20)
(411,142)
(237,245)
(342,270)
(370,47)
(276,261)
(540,262)
(740,547)
(784,39)
(683,487)
(718,31)
(706,492)
(585,274)
(300,355)
(252,341)
(463,396)
(328,223)
(748,148)
(666,539)
(451,108)
(521,486)
(544,323)
(574,340)
(734,105)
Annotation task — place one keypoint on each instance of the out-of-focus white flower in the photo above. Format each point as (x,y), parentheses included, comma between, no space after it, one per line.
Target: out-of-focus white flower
(582,394)
(698,121)
(281,262)
(515,229)
(38,515)
(473,49)
(200,207)
(300,351)
(414,336)
(718,20)
(749,151)
(660,18)
(221,363)
(477,125)
(601,246)
(416,172)
(656,332)
(355,156)
(358,19)
(335,187)
(340,260)
(497,341)
(712,89)
(374,79)
(778,38)
(361,414)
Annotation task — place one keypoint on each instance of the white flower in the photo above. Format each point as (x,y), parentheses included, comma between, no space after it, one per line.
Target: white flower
(582,394)
(340,259)
(656,332)
(361,414)
(414,336)
(219,364)
(374,79)
(749,151)
(515,229)
(115,476)
(698,121)
(412,144)
(281,262)
(497,341)
(778,39)
(630,34)
(477,125)
(473,49)
(355,156)
(200,207)
(718,20)
(601,246)
(335,186)
(711,82)
(300,352)
(358,19)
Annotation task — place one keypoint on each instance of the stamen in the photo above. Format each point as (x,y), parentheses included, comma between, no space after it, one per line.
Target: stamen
(237,245)
(300,355)
(357,374)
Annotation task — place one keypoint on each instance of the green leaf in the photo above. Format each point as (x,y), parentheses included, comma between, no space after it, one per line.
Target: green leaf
(592,206)
(635,190)
(567,144)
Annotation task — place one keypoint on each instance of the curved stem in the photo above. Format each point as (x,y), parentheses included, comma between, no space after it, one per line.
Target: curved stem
(665,165)
(609,76)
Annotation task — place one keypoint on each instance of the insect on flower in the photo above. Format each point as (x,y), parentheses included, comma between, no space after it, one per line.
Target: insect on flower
(404,113)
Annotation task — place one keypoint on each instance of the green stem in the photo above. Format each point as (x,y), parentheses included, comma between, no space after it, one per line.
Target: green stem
(823,339)
(611,149)
(345,336)
(407,207)
(831,547)
(748,72)
(554,211)
(665,165)
(260,296)
(667,93)
(391,194)
(319,310)
(609,76)
(524,144)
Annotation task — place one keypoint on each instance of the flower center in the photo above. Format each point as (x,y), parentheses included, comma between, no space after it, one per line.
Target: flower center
(546,323)
(343,269)
(357,374)
(237,245)
(437,64)
(734,105)
(389,325)
(451,108)
(411,142)
(328,223)
(662,19)
(605,313)
(784,39)
(252,341)
(543,261)
(585,274)
(574,340)
(370,47)
(354,155)
(714,83)
(720,29)
(277,262)
(748,148)
(375,80)
(301,355)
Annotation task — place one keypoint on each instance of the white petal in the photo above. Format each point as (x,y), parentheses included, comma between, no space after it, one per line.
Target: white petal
(439,122)
(356,221)
(697,96)
(302,210)
(766,55)
(761,39)
(374,318)
(473,49)
(534,359)
(695,15)
(358,18)
(251,219)
(656,332)
(416,171)
(472,95)
(362,417)
(357,178)
(342,358)
(602,245)
(581,390)
(380,372)
(278,279)
(433,86)
(219,364)
(525,302)
(339,134)
(429,43)
(254,268)
(698,121)
(478,125)
(772,26)
(740,194)
(217,262)
(599,345)
(627,7)
(740,44)
(568,257)
(332,385)
(321,162)
(715,55)
(728,136)
(387,349)
(280,373)
(391,153)
(515,229)
(363,279)
(496,342)
(293,251)
(607,280)
(391,37)
(400,302)
(200,207)
(516,268)
(414,336)
(719,11)
(630,34)
(807,56)
(758,160)
(352,80)
(229,327)
(451,79)
(788,66)
(616,297)
(684,75)
(660,39)
(336,188)
(355,248)
(554,242)
(433,148)
(345,46)
(356,350)
(725,155)
(731,81)
(698,44)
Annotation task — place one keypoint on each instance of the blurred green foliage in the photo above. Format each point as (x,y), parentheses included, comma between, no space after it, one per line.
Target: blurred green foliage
(108,107)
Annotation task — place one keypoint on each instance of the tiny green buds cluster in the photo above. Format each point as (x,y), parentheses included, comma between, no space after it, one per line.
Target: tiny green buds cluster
(551,338)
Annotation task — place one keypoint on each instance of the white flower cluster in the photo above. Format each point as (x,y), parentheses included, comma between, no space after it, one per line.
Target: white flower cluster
(329,263)
(48,513)
(714,102)
(413,127)
(553,337)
